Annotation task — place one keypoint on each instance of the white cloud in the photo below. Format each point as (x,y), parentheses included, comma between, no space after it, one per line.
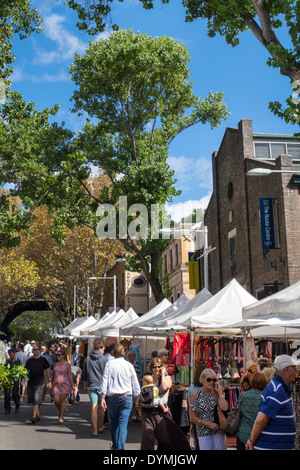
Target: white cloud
(188,170)
(67,44)
(183,209)
(19,75)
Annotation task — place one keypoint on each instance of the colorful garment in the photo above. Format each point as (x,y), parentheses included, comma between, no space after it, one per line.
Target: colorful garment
(204,406)
(61,384)
(249,408)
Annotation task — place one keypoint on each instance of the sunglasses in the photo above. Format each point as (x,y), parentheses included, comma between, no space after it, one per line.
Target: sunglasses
(156,367)
(211,380)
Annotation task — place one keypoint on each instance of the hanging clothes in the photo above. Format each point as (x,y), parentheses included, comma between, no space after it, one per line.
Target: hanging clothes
(181,354)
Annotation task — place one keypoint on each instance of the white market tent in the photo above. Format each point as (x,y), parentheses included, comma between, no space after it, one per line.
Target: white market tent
(74,323)
(276,332)
(140,327)
(132,329)
(158,325)
(219,311)
(195,302)
(112,328)
(74,328)
(279,309)
(107,318)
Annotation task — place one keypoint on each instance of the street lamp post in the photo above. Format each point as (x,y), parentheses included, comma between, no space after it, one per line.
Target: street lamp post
(115,287)
(267,171)
(195,229)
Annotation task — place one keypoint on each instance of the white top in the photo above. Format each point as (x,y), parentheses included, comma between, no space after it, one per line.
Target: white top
(119,377)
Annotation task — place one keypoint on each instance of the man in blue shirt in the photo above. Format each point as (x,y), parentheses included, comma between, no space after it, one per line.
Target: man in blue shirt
(274,427)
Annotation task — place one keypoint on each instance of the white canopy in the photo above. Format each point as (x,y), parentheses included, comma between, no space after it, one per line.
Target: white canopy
(74,323)
(158,325)
(112,328)
(279,332)
(107,319)
(220,311)
(132,328)
(281,308)
(78,324)
(195,302)
(140,327)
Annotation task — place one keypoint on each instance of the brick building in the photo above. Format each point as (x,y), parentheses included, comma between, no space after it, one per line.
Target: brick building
(175,264)
(234,218)
(132,290)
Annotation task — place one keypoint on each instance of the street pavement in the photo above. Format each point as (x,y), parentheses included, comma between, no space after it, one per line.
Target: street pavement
(48,434)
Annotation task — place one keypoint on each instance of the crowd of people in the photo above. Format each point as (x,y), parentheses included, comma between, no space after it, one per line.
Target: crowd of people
(118,392)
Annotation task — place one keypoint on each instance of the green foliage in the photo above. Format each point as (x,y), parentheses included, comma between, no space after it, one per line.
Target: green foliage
(16,18)
(138,89)
(229,18)
(40,326)
(10,375)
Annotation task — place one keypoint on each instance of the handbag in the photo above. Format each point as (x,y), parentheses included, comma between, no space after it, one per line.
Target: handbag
(233,420)
(220,418)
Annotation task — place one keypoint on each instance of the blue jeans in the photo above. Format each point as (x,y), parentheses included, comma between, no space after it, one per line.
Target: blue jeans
(119,409)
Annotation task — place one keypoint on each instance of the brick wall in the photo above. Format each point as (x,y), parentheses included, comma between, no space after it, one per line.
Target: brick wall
(233,213)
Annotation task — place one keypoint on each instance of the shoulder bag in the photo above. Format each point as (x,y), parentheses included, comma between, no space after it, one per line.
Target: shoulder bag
(220,417)
(233,420)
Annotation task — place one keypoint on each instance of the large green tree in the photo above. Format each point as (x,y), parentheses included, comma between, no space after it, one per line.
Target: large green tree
(17,17)
(268,20)
(137,90)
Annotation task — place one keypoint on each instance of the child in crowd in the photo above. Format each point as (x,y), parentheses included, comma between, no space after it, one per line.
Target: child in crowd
(149,396)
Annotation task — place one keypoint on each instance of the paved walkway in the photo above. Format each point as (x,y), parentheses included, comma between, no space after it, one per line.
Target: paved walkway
(48,434)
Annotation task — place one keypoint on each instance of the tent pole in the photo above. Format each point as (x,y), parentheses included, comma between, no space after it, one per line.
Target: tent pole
(145,354)
(244,348)
(192,356)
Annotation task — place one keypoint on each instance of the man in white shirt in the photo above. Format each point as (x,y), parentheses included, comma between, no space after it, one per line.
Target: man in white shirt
(119,384)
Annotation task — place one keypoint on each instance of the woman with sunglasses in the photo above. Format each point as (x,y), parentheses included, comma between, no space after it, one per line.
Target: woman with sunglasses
(202,411)
(62,383)
(157,423)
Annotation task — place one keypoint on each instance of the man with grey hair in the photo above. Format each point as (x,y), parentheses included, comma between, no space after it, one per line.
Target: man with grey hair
(163,355)
(275,427)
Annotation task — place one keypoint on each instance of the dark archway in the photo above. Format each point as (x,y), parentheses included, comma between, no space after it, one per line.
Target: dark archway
(38,305)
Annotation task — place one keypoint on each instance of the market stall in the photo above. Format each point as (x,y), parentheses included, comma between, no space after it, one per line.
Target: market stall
(279,309)
(74,328)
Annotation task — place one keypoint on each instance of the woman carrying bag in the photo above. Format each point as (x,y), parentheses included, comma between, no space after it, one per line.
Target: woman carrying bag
(203,412)
(157,423)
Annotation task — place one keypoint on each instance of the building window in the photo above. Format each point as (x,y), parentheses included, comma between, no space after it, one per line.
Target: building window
(233,255)
(230,190)
(176,255)
(139,281)
(271,150)
(171,260)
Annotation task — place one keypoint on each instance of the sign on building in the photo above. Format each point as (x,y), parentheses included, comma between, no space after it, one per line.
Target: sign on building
(267,223)
(194,281)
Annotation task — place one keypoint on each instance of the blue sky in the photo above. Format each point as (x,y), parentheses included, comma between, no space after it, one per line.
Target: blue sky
(41,74)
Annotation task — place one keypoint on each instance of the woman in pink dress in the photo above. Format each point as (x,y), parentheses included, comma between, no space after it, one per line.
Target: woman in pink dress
(62,383)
